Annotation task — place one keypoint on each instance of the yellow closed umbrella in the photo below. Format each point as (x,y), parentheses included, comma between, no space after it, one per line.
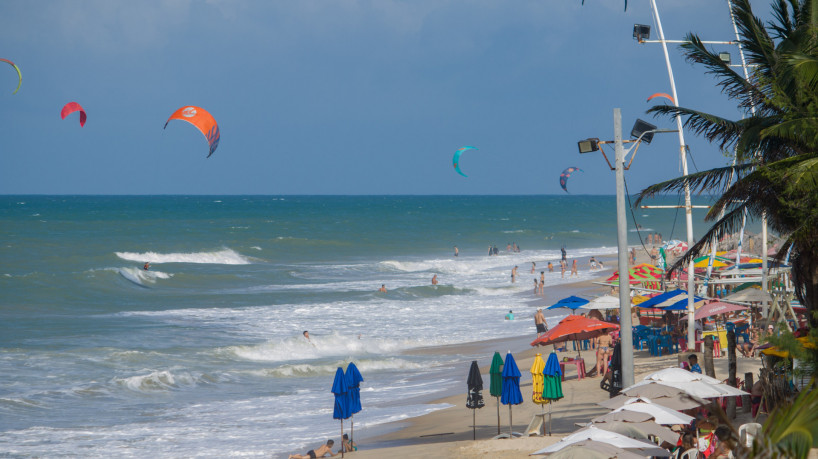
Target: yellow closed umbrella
(537,382)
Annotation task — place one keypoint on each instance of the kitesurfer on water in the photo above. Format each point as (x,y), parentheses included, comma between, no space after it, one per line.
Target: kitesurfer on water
(147,265)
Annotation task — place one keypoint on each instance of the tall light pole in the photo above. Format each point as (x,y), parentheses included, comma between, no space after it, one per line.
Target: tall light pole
(588,146)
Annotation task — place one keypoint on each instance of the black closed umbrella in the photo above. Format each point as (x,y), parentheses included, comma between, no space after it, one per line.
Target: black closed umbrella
(616,370)
(475,397)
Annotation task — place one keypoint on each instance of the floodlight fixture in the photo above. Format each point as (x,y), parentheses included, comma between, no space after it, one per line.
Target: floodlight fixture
(643,129)
(588,145)
(725,57)
(641,32)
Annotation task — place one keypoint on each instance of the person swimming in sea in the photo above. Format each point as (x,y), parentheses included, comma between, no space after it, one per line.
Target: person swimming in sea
(146,266)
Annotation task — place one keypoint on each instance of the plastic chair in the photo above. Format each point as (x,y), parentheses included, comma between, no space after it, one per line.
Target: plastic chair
(748,432)
(692,453)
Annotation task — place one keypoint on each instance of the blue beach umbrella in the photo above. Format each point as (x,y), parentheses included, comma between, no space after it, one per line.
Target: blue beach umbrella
(354,379)
(511,387)
(572,302)
(341,390)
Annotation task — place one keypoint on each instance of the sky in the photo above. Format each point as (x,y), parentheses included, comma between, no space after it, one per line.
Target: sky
(344,97)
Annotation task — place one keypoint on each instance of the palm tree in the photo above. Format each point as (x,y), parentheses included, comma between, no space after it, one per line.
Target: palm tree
(776,171)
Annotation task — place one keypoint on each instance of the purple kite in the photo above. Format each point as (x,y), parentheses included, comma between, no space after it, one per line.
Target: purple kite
(565,175)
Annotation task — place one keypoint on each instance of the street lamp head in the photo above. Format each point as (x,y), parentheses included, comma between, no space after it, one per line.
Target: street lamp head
(588,145)
(725,57)
(641,32)
(643,129)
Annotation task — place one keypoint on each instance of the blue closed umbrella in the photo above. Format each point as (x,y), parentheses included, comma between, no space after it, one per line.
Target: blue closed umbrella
(354,380)
(511,387)
(342,406)
(572,302)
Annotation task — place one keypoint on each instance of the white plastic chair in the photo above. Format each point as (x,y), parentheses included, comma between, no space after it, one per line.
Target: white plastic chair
(748,432)
(692,453)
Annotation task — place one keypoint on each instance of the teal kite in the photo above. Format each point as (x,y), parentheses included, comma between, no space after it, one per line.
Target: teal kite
(456,158)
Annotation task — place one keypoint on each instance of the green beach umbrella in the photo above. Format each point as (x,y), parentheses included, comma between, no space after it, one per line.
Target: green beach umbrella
(496,387)
(552,384)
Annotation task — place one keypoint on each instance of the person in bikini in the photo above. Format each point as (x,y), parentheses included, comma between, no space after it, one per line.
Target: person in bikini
(604,349)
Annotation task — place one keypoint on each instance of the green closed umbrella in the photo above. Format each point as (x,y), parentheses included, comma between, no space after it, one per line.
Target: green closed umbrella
(496,387)
(552,384)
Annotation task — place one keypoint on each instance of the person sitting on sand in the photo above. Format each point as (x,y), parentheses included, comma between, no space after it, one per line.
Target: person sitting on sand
(348,445)
(383,288)
(321,451)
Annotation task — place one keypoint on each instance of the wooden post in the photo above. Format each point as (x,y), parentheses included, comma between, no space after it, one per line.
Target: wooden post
(709,370)
(731,372)
(747,400)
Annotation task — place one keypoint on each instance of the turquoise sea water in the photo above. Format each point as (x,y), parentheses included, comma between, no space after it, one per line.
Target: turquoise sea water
(202,355)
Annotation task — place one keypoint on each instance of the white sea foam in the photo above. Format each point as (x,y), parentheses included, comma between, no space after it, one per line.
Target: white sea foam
(335,345)
(221,257)
(142,277)
(161,380)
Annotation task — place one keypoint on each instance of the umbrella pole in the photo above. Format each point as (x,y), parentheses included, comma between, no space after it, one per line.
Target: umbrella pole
(549,419)
(474,424)
(498,415)
(351,429)
(510,423)
(342,438)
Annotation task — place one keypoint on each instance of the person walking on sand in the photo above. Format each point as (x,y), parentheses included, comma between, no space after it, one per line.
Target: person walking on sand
(539,322)
(633,255)
(513,274)
(604,349)
(321,451)
(434,279)
(574,269)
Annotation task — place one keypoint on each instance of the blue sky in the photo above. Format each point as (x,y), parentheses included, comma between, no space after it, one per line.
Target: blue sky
(341,96)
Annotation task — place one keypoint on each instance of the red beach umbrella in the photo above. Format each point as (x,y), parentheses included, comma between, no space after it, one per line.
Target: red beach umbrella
(574,327)
(716,308)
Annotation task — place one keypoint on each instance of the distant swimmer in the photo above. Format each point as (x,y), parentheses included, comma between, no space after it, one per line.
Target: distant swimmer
(306,335)
(510,315)
(533,267)
(434,279)
(147,265)
(456,252)
(383,288)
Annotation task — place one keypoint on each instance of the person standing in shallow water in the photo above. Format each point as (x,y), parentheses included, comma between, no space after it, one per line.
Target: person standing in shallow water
(456,252)
(513,274)
(434,279)
(574,269)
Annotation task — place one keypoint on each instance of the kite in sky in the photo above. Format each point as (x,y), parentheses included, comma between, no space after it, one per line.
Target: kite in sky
(456,158)
(72,107)
(565,175)
(203,120)
(19,75)
(661,94)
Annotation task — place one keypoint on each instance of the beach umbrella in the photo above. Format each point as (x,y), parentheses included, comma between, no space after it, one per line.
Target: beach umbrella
(611,438)
(670,301)
(475,398)
(716,308)
(589,449)
(342,409)
(496,385)
(642,423)
(511,388)
(537,384)
(602,303)
(675,399)
(661,414)
(695,384)
(572,302)
(574,327)
(552,383)
(354,380)
(749,295)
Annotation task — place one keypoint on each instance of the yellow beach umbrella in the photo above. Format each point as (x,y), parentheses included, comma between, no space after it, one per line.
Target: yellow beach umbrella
(537,380)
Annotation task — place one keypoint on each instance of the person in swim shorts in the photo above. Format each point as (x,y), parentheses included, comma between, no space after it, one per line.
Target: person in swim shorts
(539,321)
(321,451)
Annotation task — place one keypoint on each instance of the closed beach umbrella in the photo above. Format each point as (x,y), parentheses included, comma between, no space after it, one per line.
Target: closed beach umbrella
(475,398)
(677,399)
(354,380)
(589,449)
(607,437)
(511,387)
(340,389)
(552,383)
(496,385)
(536,384)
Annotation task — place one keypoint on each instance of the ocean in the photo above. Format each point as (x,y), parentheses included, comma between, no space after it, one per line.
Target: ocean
(202,355)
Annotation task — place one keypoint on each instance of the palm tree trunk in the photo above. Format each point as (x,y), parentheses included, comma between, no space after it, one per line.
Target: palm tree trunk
(709,370)
(731,372)
(805,278)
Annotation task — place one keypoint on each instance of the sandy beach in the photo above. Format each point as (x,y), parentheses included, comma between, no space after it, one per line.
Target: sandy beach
(448,432)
